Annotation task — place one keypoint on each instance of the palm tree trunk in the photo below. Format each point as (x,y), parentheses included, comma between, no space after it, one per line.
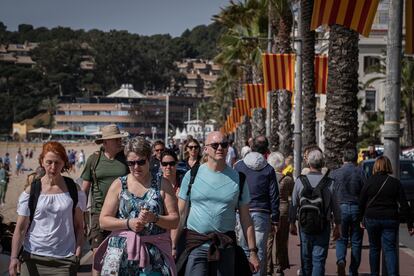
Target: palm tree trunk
(243,132)
(258,122)
(285,119)
(308,56)
(341,117)
(274,136)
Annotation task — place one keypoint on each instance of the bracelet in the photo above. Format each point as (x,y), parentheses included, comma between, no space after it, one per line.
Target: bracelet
(129,228)
(16,258)
(254,249)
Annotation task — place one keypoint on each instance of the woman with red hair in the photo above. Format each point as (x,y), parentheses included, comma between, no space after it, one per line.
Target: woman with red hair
(49,230)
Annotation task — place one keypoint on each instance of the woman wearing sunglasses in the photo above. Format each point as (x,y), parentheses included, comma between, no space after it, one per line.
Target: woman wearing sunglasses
(138,209)
(169,169)
(192,153)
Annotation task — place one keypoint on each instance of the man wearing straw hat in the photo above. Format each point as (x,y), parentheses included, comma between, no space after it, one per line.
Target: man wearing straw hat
(101,169)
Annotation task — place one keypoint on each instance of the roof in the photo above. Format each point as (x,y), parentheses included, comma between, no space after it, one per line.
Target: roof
(7,58)
(3,48)
(126,91)
(24,60)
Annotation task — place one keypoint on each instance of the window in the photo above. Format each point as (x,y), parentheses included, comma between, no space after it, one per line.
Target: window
(370,63)
(370,100)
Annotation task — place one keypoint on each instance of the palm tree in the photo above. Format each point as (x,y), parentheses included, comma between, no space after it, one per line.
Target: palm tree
(308,77)
(341,117)
(282,45)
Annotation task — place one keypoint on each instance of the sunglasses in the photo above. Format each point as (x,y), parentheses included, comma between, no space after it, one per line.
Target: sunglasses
(136,162)
(171,163)
(215,146)
(158,150)
(192,147)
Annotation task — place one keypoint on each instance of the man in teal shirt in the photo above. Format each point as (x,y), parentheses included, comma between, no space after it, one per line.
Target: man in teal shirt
(214,200)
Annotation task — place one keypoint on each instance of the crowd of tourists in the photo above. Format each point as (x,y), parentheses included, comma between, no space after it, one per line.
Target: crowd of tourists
(206,210)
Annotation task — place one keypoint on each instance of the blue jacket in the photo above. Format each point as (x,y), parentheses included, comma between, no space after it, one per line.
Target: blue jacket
(348,180)
(261,179)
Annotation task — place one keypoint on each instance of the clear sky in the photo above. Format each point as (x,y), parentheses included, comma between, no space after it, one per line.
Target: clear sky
(145,17)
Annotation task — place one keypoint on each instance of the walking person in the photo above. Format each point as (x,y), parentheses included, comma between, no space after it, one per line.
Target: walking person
(81,159)
(139,209)
(192,153)
(50,220)
(101,169)
(380,215)
(157,148)
(231,156)
(4,179)
(19,162)
(264,203)
(312,196)
(348,182)
(277,245)
(212,216)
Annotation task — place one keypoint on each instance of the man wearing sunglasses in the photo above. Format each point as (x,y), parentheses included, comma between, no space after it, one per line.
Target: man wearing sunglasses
(212,217)
(157,149)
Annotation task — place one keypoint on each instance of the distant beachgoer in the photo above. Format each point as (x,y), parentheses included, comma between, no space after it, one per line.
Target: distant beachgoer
(19,162)
(26,153)
(31,153)
(81,159)
(4,179)
(6,162)
(50,230)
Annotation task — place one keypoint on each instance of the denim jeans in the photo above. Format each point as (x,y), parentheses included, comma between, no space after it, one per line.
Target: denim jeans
(314,250)
(261,223)
(350,229)
(198,265)
(382,232)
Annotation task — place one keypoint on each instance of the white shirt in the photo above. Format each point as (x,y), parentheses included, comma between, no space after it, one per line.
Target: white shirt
(51,232)
(230,157)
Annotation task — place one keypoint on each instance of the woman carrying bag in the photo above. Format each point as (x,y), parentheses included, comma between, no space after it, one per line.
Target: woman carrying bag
(380,214)
(50,220)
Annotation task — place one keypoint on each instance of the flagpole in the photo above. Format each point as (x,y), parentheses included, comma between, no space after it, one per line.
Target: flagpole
(297,133)
(167,111)
(392,97)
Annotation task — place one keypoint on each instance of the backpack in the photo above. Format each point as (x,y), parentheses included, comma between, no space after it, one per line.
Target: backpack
(312,216)
(36,188)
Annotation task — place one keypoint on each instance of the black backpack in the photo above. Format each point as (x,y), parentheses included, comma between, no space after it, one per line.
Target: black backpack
(312,216)
(36,188)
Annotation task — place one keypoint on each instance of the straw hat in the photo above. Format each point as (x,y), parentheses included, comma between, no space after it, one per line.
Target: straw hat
(111,132)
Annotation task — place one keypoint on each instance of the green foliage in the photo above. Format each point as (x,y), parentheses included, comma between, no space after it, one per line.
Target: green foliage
(371,129)
(120,57)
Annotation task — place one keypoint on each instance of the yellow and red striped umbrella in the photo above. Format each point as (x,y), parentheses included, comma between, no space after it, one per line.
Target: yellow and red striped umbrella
(255,96)
(357,15)
(321,74)
(279,71)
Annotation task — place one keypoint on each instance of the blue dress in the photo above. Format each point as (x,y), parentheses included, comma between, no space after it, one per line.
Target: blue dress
(116,256)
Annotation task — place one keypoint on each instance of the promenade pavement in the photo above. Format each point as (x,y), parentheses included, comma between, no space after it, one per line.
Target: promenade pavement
(406,258)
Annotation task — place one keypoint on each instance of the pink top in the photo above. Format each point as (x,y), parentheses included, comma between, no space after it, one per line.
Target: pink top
(137,251)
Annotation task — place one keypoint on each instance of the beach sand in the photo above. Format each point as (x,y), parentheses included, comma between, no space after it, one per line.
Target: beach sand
(16,184)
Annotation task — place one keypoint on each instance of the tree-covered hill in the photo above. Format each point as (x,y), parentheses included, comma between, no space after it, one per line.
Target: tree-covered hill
(116,57)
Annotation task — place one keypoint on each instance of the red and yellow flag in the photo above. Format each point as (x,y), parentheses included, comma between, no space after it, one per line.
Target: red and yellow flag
(255,96)
(357,15)
(321,74)
(409,27)
(279,71)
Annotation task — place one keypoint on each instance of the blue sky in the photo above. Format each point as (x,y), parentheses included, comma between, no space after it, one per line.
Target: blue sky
(145,17)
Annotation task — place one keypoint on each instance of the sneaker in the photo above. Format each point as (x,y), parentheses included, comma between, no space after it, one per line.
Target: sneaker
(341,268)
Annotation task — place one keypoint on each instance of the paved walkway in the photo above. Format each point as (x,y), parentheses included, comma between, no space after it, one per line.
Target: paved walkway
(406,259)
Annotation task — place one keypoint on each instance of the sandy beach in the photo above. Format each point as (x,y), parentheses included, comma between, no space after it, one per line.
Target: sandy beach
(16,184)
